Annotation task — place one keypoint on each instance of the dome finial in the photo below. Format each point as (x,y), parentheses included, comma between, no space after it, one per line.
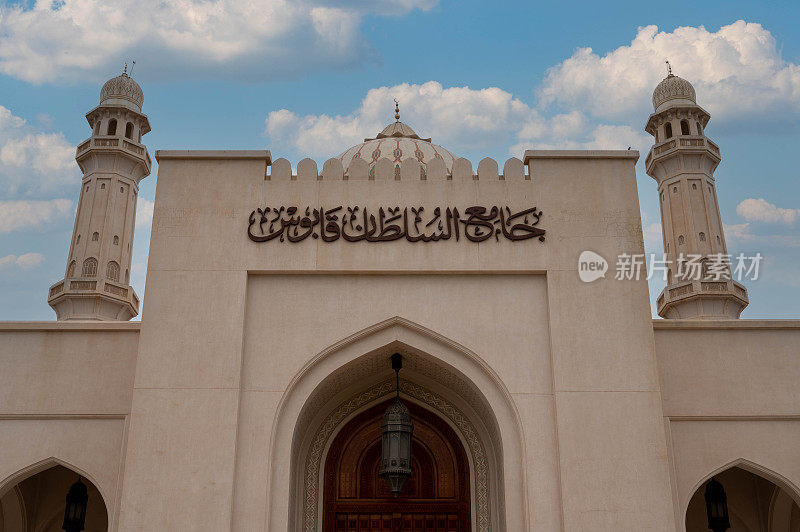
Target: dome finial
(669,68)
(396,110)
(125,69)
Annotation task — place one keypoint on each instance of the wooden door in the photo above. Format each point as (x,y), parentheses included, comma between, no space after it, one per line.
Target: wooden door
(434,499)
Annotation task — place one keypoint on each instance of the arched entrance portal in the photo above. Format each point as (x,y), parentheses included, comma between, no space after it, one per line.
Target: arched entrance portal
(37,503)
(755,504)
(435,499)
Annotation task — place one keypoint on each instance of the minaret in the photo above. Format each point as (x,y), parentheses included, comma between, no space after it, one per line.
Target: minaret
(683,161)
(96,285)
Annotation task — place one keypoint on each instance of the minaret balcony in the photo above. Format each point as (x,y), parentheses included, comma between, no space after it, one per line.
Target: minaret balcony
(114,143)
(724,299)
(94,288)
(680,143)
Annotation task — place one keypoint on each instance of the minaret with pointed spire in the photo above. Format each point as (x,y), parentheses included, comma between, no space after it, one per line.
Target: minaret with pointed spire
(96,285)
(682,161)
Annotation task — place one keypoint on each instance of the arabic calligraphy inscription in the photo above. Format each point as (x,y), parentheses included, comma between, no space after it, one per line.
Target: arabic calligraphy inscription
(414,224)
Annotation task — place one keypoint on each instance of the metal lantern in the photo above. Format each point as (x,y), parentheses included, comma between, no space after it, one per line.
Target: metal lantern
(717,506)
(397,430)
(75,513)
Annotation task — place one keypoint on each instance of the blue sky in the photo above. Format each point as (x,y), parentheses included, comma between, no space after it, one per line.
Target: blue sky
(314,77)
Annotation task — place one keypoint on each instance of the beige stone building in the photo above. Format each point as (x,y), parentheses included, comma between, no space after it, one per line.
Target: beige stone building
(543,395)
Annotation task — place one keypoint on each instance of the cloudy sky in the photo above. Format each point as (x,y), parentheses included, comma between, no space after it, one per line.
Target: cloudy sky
(312,77)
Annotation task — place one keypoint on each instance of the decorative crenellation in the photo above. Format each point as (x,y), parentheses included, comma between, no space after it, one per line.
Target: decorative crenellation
(387,170)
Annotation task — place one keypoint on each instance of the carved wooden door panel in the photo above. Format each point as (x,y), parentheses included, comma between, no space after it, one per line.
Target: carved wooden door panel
(434,499)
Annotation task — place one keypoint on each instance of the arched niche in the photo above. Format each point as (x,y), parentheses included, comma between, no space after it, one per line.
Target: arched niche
(353,375)
(34,498)
(757,498)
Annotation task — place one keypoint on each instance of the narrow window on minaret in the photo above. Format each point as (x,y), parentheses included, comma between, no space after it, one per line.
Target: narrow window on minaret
(681,240)
(684,127)
(95,236)
(668,130)
(112,271)
(112,127)
(129,130)
(702,237)
(102,186)
(116,240)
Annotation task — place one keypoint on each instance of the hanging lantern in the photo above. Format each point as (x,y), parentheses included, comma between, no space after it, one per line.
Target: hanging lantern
(397,430)
(717,506)
(75,513)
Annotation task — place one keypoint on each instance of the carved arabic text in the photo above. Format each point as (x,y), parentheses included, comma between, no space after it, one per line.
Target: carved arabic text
(356,224)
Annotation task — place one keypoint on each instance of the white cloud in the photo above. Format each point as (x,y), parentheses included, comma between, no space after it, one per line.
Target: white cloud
(26,261)
(736,71)
(144,212)
(760,210)
(653,237)
(33,163)
(455,117)
(21,215)
(459,118)
(742,235)
(257,40)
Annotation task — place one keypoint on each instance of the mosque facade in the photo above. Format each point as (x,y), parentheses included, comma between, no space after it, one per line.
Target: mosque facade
(395,341)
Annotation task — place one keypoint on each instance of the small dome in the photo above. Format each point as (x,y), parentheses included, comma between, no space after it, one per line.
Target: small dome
(122,90)
(673,91)
(397,129)
(397,142)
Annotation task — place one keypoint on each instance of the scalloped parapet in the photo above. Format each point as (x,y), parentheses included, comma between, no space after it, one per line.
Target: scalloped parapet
(387,170)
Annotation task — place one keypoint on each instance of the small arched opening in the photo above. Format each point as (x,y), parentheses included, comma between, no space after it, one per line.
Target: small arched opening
(755,503)
(667,131)
(129,130)
(112,271)
(685,127)
(38,501)
(112,127)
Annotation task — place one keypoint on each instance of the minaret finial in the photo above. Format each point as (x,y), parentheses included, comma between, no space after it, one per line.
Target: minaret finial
(669,68)
(396,110)
(125,70)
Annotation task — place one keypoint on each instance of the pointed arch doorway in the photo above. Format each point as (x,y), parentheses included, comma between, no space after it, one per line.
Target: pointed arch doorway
(435,499)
